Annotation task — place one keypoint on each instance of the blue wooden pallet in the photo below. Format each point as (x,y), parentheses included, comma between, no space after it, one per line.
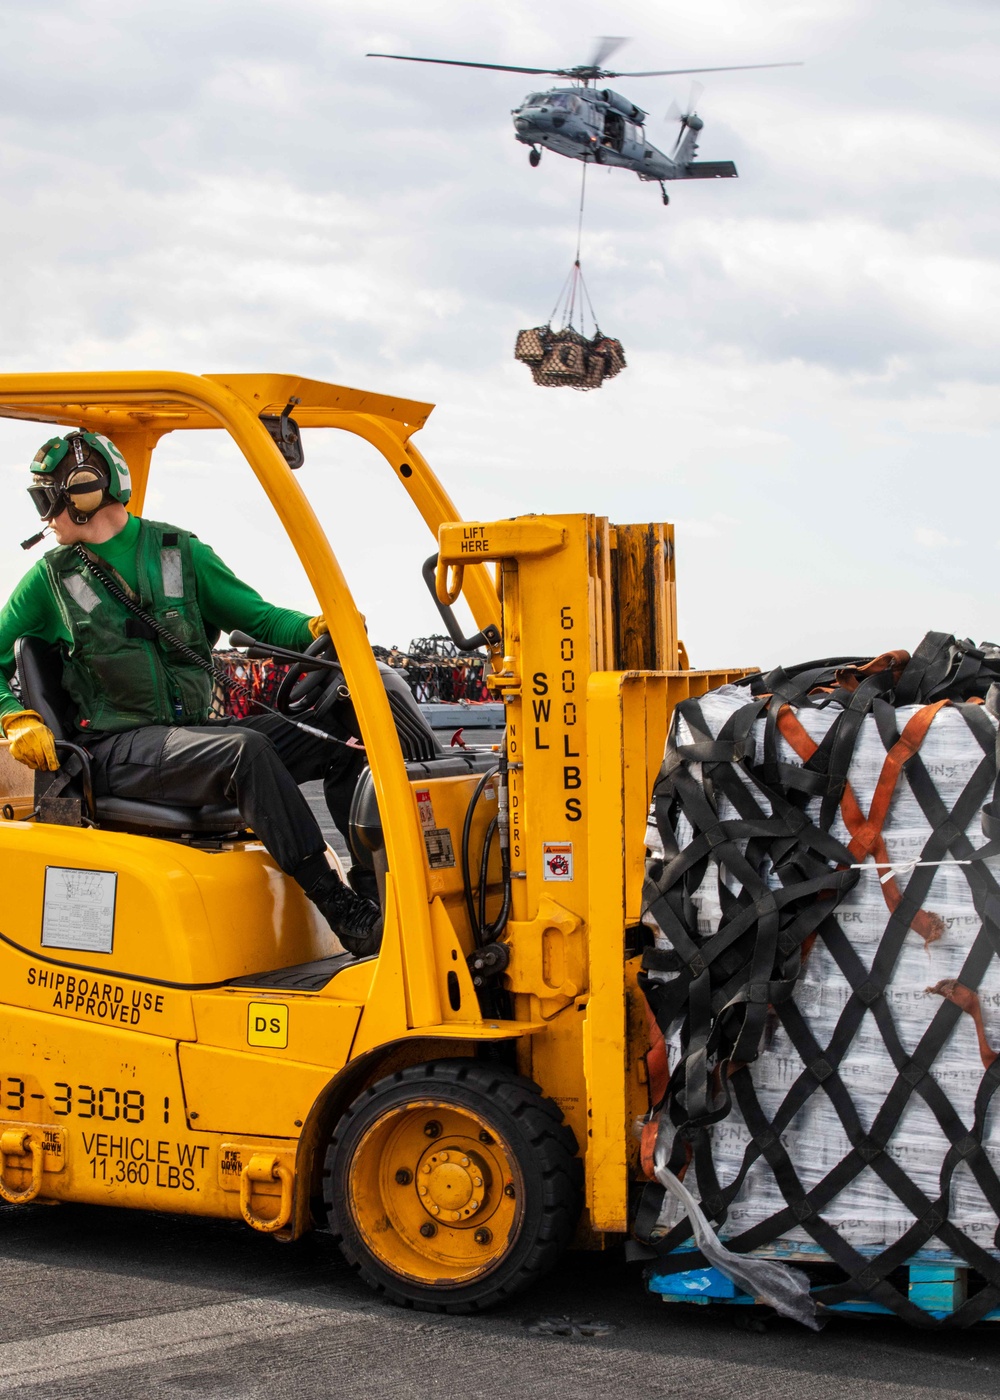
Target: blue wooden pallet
(937,1287)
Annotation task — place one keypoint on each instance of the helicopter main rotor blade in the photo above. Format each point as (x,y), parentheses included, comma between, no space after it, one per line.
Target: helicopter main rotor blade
(676,72)
(461,63)
(607,44)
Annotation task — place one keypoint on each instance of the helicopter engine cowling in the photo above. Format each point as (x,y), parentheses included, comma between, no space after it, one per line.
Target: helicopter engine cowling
(623,105)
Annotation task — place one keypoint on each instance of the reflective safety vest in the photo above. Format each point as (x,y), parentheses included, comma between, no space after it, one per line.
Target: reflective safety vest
(117,675)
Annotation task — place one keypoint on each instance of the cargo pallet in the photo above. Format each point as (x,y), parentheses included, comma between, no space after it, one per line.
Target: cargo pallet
(938,1283)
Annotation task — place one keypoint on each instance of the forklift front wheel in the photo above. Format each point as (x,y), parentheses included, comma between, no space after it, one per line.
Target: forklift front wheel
(452,1185)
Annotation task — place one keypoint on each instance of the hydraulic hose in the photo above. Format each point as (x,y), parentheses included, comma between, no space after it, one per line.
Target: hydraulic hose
(470,812)
(486,932)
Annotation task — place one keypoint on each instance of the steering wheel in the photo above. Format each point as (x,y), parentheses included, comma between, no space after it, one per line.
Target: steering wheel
(312,692)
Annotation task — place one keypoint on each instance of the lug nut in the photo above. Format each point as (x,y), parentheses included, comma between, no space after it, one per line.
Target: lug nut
(432,1129)
(509,1190)
(483,1236)
(403,1177)
(428,1229)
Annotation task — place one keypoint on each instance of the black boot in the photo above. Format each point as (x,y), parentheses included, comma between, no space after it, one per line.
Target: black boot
(356,921)
(363,882)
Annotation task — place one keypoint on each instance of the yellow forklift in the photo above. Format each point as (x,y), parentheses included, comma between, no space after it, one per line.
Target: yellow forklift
(182,1033)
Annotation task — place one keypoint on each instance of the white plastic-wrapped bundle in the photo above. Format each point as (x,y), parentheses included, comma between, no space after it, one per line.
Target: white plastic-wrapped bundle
(866,1212)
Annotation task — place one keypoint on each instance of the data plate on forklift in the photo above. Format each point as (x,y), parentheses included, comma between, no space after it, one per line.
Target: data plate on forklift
(440,851)
(79,909)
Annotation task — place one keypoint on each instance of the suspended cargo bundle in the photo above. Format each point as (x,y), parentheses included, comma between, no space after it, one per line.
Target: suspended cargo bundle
(565,357)
(824,901)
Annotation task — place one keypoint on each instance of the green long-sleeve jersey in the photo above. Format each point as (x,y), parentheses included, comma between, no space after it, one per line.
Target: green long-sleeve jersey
(225,603)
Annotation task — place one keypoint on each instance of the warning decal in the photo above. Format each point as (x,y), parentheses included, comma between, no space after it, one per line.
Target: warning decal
(557,860)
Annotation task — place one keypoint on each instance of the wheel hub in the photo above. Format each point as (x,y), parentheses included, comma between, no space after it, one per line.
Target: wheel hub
(451,1184)
(436,1194)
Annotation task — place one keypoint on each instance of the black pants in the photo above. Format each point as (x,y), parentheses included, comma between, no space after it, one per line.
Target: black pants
(253,764)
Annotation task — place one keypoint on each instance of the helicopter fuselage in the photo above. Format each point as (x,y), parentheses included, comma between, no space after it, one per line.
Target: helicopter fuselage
(603,127)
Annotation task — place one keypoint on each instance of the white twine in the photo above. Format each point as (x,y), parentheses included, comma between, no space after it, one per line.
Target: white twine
(905,867)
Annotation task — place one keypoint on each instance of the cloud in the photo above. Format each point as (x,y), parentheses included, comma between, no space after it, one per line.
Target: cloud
(812,348)
(933,539)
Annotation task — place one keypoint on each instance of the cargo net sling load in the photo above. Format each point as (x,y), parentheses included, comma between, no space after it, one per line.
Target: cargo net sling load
(560,356)
(824,971)
(565,357)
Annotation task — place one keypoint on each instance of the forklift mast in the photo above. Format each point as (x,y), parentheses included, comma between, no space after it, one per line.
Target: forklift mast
(591,670)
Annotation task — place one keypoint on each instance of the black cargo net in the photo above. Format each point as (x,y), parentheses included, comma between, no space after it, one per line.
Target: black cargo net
(567,358)
(558,354)
(780,846)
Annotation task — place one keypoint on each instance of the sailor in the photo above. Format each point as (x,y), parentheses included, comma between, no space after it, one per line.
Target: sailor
(141,706)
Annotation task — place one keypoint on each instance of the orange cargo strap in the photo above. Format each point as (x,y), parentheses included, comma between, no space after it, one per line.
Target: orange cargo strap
(866,832)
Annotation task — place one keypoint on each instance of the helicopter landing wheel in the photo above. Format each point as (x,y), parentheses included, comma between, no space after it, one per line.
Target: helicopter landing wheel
(666,197)
(534,156)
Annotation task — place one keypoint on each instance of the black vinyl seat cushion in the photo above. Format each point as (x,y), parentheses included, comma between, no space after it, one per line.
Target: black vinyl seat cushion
(127,814)
(39,670)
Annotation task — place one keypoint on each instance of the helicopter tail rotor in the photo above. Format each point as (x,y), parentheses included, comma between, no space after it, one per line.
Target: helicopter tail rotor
(689,119)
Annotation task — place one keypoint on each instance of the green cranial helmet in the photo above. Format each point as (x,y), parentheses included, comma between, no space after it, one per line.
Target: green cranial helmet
(82,473)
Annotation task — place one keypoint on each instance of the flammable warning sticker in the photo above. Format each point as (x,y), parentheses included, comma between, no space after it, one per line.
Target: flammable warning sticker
(440,851)
(426,808)
(557,860)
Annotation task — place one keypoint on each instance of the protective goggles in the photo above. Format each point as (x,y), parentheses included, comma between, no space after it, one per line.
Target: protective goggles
(48,500)
(52,499)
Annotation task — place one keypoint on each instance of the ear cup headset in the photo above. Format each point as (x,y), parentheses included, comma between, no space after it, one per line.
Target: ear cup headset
(79,473)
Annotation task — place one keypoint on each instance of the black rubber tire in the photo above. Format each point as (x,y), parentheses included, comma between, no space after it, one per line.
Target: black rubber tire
(533,1129)
(534,157)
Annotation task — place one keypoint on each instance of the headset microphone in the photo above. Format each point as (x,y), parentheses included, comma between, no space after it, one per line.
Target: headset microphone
(30,544)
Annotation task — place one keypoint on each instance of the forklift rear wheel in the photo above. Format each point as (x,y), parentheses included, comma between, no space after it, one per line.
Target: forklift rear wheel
(452,1185)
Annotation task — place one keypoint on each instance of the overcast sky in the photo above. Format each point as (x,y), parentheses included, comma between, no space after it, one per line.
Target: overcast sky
(811,395)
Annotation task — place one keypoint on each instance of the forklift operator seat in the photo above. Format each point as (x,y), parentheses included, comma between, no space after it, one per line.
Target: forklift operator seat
(39,670)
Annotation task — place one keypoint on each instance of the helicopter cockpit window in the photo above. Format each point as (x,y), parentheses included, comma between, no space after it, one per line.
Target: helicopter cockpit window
(565,100)
(537,99)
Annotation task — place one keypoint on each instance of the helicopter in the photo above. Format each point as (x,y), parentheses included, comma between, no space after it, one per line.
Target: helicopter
(601,127)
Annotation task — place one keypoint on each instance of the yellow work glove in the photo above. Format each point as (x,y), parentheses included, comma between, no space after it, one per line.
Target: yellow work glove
(319,625)
(31,740)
